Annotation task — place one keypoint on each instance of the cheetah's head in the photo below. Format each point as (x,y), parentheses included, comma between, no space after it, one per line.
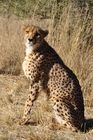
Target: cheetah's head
(34,36)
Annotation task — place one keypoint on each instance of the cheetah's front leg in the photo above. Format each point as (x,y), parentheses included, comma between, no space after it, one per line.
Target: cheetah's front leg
(29,103)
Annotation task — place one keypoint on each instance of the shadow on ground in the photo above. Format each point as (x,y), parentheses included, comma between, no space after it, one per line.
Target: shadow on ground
(88,125)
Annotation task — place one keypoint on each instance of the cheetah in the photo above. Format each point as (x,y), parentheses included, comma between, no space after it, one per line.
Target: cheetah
(46,71)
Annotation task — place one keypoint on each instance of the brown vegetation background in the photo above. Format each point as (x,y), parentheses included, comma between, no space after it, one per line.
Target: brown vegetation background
(70,25)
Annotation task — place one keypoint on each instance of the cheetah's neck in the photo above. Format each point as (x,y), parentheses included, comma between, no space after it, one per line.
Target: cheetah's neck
(29,50)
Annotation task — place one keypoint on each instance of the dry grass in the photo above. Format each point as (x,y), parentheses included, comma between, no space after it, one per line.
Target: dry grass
(71,36)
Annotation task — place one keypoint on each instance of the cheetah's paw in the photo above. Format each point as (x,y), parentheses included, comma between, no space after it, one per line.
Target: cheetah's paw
(24,121)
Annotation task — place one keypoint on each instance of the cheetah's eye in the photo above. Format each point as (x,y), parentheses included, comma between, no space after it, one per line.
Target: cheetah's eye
(27,31)
(37,35)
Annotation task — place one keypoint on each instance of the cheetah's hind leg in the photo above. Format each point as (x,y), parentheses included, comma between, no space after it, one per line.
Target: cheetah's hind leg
(62,116)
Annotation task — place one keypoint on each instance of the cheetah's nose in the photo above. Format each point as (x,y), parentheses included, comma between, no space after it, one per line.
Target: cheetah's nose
(30,40)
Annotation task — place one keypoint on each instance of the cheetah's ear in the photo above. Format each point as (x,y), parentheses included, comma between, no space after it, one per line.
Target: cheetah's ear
(44,33)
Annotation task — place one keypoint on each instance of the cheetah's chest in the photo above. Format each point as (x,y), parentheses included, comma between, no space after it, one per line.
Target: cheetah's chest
(31,65)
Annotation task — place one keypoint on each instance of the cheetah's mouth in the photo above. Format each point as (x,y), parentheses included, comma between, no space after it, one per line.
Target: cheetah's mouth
(29,43)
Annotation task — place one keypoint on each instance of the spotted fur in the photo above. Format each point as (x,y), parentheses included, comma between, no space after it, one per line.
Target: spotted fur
(46,70)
